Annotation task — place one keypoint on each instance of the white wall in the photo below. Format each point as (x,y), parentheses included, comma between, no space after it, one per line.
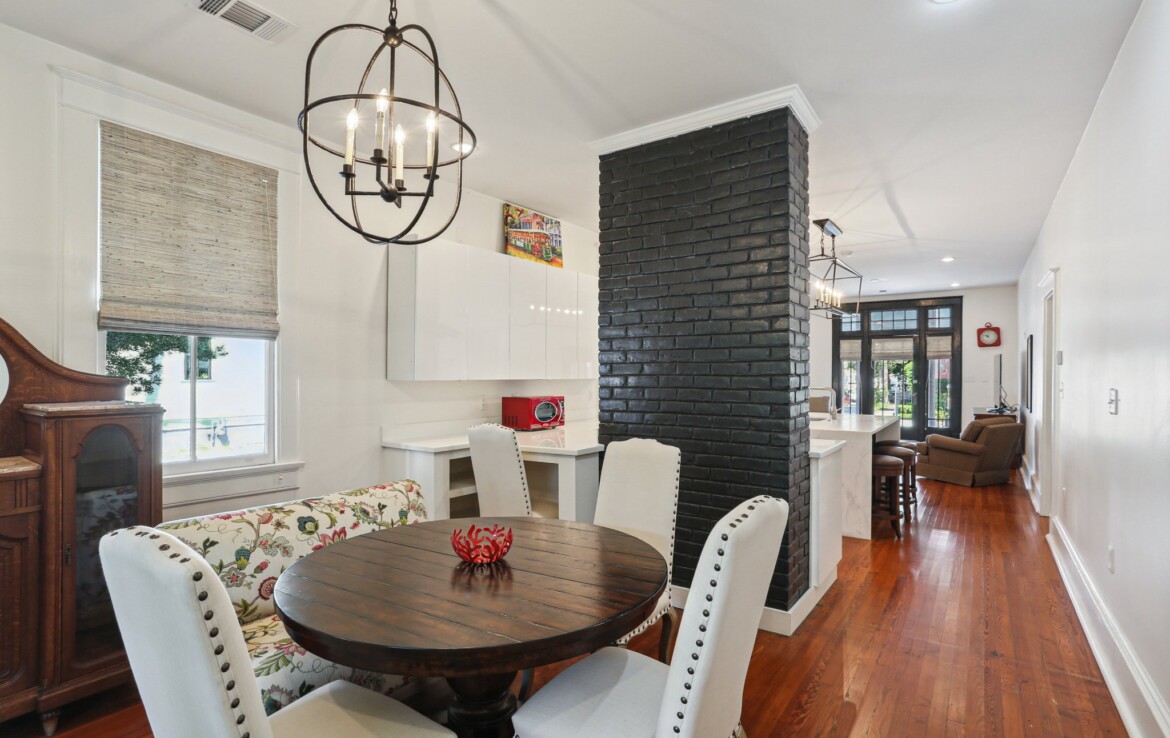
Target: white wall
(334,397)
(1107,236)
(995,305)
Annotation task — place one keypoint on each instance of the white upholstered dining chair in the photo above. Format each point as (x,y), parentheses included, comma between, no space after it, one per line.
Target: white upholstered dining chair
(638,495)
(700,695)
(500,481)
(191,665)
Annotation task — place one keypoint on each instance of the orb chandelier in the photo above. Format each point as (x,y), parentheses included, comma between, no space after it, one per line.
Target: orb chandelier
(396,161)
(832,279)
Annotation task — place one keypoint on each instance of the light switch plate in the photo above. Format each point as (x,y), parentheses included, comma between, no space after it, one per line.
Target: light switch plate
(1113,402)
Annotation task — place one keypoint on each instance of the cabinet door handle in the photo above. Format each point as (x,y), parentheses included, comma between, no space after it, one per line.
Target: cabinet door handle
(68,553)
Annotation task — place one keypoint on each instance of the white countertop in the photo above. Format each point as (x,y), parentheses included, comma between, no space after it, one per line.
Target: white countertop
(821,447)
(571,439)
(854,423)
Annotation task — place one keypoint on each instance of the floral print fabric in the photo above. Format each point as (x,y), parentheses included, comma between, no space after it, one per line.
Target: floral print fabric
(249,549)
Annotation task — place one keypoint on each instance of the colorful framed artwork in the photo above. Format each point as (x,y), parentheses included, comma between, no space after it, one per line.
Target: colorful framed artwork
(532,236)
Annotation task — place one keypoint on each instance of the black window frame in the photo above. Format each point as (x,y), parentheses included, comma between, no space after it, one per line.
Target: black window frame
(865,366)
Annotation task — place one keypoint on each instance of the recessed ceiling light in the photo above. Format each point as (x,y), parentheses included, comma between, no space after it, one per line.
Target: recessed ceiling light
(882,292)
(954,284)
(462,148)
(942,2)
(948,259)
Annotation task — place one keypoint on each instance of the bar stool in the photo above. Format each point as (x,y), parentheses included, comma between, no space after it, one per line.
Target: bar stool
(913,446)
(909,458)
(888,468)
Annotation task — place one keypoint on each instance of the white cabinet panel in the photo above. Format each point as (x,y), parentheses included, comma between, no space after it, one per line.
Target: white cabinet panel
(526,325)
(440,318)
(487,314)
(426,312)
(587,313)
(561,324)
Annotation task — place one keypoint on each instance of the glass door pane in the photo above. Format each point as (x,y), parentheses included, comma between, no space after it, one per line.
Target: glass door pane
(106,499)
(893,380)
(939,397)
(851,377)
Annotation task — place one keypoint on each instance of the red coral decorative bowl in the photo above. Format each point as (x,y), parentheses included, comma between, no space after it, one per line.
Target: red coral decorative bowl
(482,545)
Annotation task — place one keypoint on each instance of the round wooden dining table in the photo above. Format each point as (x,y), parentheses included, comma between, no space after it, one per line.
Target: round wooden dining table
(400,601)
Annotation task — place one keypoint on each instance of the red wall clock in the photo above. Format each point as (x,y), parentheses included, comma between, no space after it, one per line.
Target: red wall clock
(988,335)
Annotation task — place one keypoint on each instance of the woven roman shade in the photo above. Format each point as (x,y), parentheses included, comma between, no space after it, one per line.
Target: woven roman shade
(188,239)
(938,347)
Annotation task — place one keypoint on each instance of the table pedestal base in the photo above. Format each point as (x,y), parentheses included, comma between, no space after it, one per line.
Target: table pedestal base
(482,706)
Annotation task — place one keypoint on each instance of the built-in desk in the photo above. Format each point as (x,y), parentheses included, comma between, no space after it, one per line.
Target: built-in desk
(859,432)
(573,449)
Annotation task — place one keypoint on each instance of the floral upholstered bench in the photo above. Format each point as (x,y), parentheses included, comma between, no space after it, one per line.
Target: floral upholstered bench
(250,548)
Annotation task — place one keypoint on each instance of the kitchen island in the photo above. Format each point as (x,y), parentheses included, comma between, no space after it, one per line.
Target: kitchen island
(859,433)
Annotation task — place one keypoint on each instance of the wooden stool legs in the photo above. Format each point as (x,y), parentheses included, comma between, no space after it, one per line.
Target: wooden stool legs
(888,473)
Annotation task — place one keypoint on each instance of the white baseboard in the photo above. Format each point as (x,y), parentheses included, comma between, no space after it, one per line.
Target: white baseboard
(773,620)
(1142,708)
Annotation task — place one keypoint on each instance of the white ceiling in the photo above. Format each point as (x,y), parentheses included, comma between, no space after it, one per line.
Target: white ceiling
(946,128)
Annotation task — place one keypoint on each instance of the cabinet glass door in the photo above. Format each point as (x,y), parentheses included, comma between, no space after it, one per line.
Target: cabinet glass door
(106,498)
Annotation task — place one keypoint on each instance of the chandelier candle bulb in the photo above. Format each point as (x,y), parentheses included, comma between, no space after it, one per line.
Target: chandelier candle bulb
(351,122)
(380,122)
(399,144)
(430,139)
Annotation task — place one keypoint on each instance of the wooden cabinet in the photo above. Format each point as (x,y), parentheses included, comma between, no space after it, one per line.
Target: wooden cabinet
(75,463)
(101,471)
(20,517)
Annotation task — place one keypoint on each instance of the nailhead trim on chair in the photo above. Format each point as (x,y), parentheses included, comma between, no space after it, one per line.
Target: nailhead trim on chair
(225,667)
(707,614)
(669,564)
(519,460)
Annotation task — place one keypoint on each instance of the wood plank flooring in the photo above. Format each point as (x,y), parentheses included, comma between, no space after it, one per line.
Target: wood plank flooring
(962,628)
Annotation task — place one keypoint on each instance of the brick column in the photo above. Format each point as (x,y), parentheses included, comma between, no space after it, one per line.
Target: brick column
(704,322)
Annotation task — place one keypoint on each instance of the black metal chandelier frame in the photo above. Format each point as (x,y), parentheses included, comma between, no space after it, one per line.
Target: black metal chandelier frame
(828,293)
(390,189)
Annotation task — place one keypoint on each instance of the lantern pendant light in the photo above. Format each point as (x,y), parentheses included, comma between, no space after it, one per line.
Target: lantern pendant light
(832,279)
(396,162)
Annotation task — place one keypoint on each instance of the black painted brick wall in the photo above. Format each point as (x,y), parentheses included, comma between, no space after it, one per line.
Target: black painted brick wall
(704,322)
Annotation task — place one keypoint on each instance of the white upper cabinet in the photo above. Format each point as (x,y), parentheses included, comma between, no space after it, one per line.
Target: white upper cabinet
(460,312)
(561,326)
(487,314)
(526,327)
(587,313)
(426,312)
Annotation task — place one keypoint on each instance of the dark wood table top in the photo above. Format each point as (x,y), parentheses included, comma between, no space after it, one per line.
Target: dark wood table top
(398,601)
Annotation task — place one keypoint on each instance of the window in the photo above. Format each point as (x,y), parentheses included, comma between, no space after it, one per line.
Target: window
(850,323)
(938,317)
(893,320)
(189,294)
(227,419)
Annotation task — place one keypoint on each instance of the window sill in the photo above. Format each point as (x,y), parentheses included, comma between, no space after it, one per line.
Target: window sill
(242,472)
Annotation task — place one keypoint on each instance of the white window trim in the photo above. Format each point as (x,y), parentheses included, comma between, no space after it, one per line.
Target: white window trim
(163,110)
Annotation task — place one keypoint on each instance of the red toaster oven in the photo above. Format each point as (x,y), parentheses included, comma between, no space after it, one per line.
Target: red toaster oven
(533,413)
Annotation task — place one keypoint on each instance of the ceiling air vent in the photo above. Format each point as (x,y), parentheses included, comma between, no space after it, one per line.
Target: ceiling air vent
(248,17)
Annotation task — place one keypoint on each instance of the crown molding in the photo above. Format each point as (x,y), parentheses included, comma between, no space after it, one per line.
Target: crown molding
(791,97)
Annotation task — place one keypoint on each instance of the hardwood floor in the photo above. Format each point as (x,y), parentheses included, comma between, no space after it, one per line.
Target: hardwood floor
(962,628)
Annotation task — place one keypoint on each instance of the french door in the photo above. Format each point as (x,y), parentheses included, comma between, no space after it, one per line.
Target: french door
(902,359)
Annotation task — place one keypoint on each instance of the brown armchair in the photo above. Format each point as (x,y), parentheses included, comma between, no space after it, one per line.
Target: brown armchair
(981,455)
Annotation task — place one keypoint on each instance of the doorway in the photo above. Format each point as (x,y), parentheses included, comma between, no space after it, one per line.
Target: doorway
(902,359)
(1047,483)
